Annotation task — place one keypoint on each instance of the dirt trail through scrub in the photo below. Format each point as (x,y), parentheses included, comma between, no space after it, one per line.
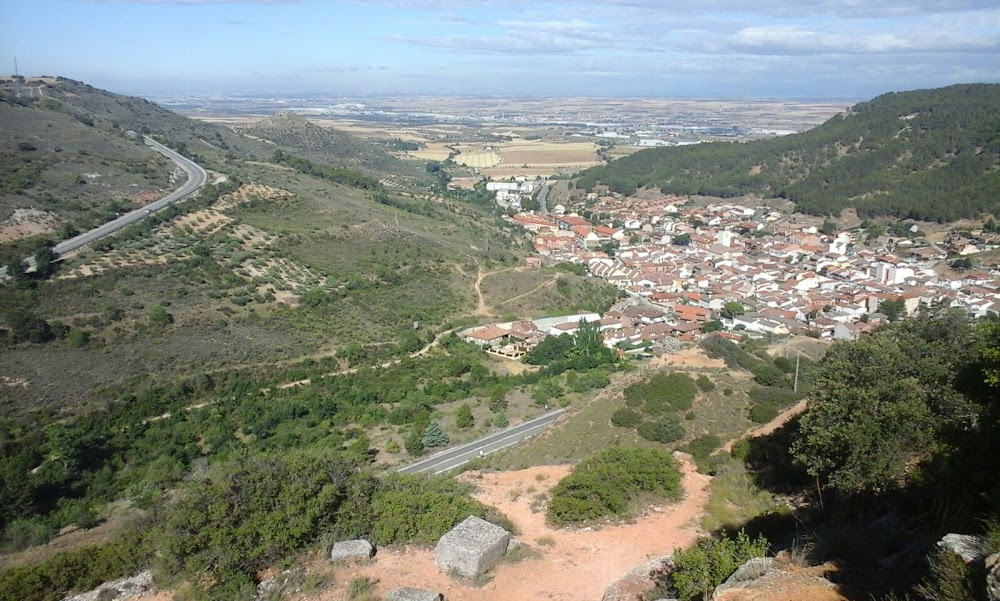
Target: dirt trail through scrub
(770,426)
(576,564)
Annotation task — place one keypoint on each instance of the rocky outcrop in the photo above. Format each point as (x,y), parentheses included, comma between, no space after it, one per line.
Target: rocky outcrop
(631,586)
(471,548)
(347,550)
(118,590)
(970,548)
(993,577)
(768,579)
(406,593)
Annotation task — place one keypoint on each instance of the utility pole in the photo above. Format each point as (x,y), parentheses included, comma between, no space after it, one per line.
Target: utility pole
(795,386)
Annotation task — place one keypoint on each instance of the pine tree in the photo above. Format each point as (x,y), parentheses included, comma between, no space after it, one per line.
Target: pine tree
(413,443)
(435,436)
(463,417)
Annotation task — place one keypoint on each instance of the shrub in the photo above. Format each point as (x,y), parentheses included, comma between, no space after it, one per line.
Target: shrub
(607,483)
(409,508)
(705,384)
(662,392)
(740,449)
(664,430)
(768,375)
(762,413)
(81,569)
(248,514)
(703,445)
(626,418)
(698,570)
(500,420)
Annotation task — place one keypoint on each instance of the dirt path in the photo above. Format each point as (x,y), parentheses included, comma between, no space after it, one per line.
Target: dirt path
(770,426)
(532,291)
(576,564)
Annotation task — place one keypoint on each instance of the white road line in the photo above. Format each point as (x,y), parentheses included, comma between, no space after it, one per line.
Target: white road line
(519,436)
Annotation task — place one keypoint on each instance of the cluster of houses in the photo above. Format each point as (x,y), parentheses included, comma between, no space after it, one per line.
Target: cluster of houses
(511,194)
(631,327)
(686,262)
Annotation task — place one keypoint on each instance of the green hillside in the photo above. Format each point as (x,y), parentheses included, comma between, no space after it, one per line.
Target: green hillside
(924,154)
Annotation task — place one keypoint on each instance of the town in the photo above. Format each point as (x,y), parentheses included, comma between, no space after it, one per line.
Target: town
(687,269)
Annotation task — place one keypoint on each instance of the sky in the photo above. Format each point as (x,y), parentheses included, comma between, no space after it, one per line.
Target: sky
(822,49)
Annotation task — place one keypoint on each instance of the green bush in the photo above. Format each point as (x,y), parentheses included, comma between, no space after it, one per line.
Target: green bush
(698,570)
(662,392)
(415,509)
(762,413)
(705,384)
(246,515)
(768,375)
(626,418)
(606,484)
(81,569)
(463,417)
(664,430)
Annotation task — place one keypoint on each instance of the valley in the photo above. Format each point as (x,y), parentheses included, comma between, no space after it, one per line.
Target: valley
(239,373)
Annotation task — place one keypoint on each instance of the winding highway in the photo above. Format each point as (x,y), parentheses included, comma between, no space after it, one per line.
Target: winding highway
(452,458)
(196,179)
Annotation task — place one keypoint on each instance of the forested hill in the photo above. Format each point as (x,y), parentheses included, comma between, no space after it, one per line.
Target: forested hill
(924,154)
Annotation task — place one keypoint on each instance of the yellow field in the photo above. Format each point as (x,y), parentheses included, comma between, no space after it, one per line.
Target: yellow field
(550,154)
(433,151)
(476,157)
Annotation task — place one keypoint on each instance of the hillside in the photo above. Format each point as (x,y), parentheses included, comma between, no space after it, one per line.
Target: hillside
(326,145)
(72,156)
(924,154)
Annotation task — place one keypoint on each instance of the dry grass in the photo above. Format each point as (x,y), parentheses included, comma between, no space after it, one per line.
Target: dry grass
(586,428)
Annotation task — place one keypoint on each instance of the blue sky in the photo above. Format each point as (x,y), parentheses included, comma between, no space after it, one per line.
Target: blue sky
(674,48)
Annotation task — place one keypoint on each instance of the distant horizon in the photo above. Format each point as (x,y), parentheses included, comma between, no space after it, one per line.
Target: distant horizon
(719,49)
(151,93)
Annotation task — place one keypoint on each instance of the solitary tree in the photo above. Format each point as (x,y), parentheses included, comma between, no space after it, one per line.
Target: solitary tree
(732,309)
(45,259)
(893,309)
(463,417)
(435,436)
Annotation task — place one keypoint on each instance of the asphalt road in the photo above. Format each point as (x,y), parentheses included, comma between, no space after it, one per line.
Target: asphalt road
(452,458)
(543,195)
(196,179)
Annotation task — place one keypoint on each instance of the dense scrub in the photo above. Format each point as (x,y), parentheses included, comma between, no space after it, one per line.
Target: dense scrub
(223,527)
(924,154)
(899,446)
(610,482)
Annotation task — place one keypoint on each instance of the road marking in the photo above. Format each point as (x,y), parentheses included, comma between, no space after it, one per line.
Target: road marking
(518,433)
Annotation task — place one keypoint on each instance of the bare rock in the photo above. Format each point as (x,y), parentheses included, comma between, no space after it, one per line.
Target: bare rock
(352,549)
(993,577)
(752,570)
(640,580)
(766,579)
(471,548)
(406,593)
(970,548)
(118,590)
